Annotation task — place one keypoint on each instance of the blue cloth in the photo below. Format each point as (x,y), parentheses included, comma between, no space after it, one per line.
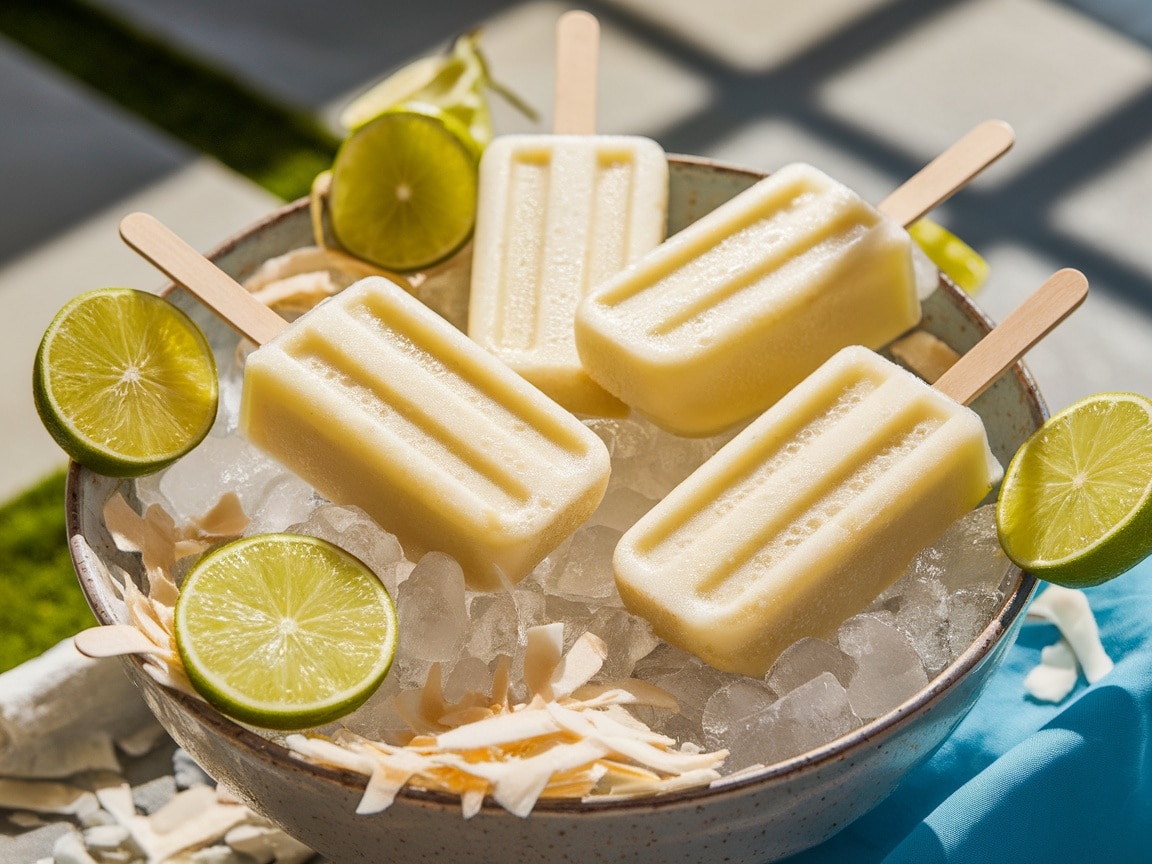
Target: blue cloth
(1023,781)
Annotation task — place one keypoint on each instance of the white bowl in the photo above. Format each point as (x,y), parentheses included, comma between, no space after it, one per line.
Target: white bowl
(783,809)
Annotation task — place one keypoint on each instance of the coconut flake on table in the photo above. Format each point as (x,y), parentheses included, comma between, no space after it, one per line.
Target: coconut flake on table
(1079,647)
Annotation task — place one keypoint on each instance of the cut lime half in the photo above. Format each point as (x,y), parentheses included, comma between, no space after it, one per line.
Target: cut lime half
(124,381)
(284,631)
(403,189)
(1075,505)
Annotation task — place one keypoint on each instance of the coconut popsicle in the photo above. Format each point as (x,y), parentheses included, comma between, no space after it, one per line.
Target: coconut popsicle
(723,318)
(557,215)
(378,402)
(817,506)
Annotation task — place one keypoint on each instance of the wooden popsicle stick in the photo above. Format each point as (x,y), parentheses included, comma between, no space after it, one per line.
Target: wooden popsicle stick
(1030,322)
(188,268)
(577,54)
(949,172)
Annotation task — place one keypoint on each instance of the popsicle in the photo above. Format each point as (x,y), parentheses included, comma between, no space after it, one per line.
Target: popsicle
(378,402)
(725,317)
(557,215)
(817,506)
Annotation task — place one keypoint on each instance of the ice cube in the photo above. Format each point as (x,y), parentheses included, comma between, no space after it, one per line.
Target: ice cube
(888,668)
(494,626)
(969,553)
(468,675)
(586,572)
(574,615)
(810,716)
(689,680)
(807,659)
(430,605)
(628,638)
(376,719)
(971,611)
(733,710)
(352,529)
(270,495)
(621,508)
(920,611)
(646,459)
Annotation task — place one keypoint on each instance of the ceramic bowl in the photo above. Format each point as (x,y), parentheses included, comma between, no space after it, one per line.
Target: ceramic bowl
(785,808)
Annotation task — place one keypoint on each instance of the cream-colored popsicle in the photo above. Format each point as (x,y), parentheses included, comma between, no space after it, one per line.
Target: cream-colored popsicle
(378,402)
(558,215)
(726,316)
(819,504)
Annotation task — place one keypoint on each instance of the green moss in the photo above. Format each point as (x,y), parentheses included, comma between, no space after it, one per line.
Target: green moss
(281,149)
(40,599)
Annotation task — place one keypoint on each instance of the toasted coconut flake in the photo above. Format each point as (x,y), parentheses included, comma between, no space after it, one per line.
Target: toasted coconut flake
(630,692)
(546,748)
(388,777)
(115,640)
(225,521)
(471,800)
(44,796)
(152,535)
(470,714)
(498,730)
(501,681)
(543,651)
(583,660)
(327,753)
(160,543)
(298,280)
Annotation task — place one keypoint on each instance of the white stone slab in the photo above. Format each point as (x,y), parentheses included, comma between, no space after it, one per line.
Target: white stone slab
(752,35)
(1103,346)
(772,143)
(1112,210)
(1046,69)
(641,90)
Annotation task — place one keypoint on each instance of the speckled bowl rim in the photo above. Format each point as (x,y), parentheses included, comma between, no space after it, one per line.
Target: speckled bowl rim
(1015,602)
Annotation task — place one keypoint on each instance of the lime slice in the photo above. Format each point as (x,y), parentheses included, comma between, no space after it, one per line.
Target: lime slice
(1074,506)
(284,631)
(404,187)
(955,258)
(125,382)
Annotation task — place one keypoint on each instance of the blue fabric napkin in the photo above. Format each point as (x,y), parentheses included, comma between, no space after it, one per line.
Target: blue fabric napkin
(1025,781)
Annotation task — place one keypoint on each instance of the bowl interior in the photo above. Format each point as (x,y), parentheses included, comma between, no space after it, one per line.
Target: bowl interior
(1011,410)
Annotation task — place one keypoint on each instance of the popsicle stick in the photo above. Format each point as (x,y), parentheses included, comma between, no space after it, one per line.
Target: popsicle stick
(187,267)
(577,53)
(1030,322)
(949,172)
